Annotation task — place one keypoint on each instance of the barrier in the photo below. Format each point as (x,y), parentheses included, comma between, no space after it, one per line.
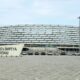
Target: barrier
(11,50)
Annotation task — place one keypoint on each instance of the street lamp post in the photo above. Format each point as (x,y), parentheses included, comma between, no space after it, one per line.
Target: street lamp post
(79,33)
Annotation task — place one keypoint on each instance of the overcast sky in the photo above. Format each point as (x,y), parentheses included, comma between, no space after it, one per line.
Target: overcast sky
(63,12)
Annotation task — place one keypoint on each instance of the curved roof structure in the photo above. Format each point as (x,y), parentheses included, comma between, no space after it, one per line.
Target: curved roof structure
(39,34)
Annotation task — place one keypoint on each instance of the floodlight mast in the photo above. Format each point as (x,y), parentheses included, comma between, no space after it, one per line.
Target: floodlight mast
(79,33)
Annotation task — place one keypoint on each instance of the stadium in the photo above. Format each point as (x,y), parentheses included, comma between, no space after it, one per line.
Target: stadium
(64,39)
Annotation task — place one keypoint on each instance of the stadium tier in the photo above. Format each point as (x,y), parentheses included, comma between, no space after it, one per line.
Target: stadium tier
(42,35)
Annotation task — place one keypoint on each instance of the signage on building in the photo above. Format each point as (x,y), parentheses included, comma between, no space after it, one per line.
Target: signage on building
(11,50)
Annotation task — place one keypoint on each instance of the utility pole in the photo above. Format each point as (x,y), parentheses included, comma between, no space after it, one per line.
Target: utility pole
(79,33)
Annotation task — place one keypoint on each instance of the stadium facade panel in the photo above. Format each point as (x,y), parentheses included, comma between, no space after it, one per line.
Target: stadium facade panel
(50,35)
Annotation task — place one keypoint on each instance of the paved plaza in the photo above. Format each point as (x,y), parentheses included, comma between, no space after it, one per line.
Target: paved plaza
(40,68)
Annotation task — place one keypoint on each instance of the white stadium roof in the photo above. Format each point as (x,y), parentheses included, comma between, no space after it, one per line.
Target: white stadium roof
(39,34)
